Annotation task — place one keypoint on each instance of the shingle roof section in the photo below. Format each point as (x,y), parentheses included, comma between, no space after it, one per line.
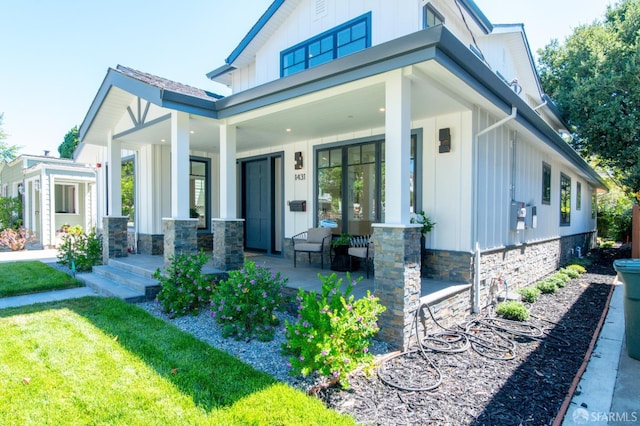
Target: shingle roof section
(166,84)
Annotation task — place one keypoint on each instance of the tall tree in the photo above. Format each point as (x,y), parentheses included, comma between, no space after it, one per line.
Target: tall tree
(69,144)
(7,152)
(595,80)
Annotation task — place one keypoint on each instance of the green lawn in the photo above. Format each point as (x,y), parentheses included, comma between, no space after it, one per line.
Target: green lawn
(32,277)
(102,361)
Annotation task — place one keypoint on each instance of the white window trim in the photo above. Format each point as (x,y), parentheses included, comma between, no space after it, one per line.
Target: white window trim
(75,198)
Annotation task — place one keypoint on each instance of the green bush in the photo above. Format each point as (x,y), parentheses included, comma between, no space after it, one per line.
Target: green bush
(529,294)
(547,286)
(512,310)
(80,251)
(244,303)
(10,212)
(580,269)
(333,333)
(571,273)
(607,244)
(184,290)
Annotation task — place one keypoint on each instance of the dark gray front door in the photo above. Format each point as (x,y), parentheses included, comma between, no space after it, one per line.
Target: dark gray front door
(257,204)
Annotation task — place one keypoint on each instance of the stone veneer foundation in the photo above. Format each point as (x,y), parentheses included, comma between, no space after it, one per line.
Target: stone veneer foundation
(228,251)
(397,281)
(151,244)
(180,236)
(114,241)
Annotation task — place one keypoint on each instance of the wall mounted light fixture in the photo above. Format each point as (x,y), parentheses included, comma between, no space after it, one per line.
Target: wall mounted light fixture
(444,136)
(299,160)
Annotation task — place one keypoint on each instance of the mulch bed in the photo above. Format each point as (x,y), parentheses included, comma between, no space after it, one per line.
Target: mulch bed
(477,390)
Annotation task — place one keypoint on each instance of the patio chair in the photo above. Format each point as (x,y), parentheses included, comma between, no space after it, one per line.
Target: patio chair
(361,246)
(314,240)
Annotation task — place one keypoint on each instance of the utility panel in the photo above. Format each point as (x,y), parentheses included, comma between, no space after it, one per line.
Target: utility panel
(532,217)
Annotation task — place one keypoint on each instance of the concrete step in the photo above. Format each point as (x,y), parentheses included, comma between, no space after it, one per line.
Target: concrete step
(139,270)
(110,288)
(140,283)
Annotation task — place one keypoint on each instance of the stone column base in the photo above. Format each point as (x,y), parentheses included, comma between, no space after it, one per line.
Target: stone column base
(180,236)
(397,281)
(228,247)
(114,239)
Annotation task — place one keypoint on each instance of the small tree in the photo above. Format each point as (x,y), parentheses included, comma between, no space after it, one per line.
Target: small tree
(7,152)
(69,144)
(10,212)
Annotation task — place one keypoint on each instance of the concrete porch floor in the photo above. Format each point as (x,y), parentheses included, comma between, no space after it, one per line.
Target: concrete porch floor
(305,275)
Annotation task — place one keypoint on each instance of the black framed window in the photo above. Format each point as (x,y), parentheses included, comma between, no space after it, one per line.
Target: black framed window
(578,196)
(565,200)
(347,38)
(199,191)
(350,185)
(431,17)
(546,183)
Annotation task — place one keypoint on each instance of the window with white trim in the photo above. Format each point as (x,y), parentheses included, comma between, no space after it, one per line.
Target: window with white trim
(66,198)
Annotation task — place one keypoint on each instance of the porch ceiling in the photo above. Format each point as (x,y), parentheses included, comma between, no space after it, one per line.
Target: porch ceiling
(348,109)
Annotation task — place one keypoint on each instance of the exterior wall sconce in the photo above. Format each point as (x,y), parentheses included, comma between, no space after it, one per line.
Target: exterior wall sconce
(444,136)
(298,160)
(20,189)
(37,184)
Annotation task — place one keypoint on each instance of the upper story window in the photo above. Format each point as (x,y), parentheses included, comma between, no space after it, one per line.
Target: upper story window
(347,38)
(578,196)
(431,17)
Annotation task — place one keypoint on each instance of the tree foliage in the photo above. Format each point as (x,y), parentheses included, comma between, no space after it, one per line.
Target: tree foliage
(69,144)
(7,152)
(595,80)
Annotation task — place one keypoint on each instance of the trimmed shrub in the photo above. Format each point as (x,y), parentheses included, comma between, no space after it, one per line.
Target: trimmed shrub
(580,269)
(80,251)
(529,294)
(184,289)
(571,273)
(333,332)
(244,303)
(512,310)
(547,286)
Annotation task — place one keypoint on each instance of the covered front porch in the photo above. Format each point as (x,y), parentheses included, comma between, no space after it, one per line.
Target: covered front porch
(441,295)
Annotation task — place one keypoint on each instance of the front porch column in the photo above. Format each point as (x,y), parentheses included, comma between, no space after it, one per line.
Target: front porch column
(180,236)
(180,231)
(114,178)
(397,242)
(114,225)
(114,238)
(228,184)
(228,230)
(397,281)
(228,250)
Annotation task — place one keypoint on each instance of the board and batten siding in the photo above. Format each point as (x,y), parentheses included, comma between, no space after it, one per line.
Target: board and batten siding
(389,20)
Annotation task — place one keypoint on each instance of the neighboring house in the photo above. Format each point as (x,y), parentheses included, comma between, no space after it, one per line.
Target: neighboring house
(367,111)
(55,192)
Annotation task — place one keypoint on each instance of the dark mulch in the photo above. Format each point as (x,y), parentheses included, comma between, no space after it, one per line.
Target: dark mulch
(477,390)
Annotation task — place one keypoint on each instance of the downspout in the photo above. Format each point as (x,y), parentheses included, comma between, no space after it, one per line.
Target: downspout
(540,106)
(476,278)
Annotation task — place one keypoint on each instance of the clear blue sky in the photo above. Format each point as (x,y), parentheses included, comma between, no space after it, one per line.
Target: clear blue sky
(55,54)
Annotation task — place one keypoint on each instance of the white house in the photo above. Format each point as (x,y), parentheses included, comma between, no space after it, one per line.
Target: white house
(367,111)
(55,192)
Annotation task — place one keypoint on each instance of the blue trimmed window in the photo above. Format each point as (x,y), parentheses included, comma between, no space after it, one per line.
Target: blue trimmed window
(431,17)
(347,38)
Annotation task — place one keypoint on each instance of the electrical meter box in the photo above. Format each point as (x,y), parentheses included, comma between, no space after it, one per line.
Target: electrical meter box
(532,217)
(518,215)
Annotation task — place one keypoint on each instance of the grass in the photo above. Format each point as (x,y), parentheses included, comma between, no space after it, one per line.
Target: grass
(26,277)
(102,361)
